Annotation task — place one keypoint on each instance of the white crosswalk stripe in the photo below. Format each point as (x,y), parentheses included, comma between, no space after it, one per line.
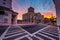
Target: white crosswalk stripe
(13,35)
(29,38)
(38,37)
(14,32)
(21,37)
(41,30)
(4,33)
(28,35)
(50,34)
(46,36)
(26,31)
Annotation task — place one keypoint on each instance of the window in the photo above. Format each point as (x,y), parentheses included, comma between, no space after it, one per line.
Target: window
(5,20)
(4,0)
(6,14)
(1,12)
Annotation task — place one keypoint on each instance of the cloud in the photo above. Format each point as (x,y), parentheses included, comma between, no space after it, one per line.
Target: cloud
(19,15)
(49,14)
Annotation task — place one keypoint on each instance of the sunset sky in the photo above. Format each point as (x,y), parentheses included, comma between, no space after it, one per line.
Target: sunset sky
(45,7)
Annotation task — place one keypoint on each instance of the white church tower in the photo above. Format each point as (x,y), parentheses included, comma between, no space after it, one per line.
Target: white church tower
(7,15)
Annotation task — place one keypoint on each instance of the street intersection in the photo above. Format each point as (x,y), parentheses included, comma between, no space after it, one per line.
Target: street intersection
(31,32)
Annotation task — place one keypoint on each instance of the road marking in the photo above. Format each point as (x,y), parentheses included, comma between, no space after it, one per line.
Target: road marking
(59,32)
(53,33)
(14,35)
(49,34)
(26,31)
(21,37)
(38,37)
(54,28)
(29,38)
(46,36)
(3,35)
(40,30)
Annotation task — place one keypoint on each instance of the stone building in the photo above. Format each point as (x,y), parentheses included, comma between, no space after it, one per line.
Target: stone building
(7,15)
(32,17)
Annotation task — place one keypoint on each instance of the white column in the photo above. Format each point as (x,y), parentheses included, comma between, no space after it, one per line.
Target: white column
(57,6)
(16,19)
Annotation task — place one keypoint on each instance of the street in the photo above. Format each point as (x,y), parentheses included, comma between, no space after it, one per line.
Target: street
(31,32)
(2,29)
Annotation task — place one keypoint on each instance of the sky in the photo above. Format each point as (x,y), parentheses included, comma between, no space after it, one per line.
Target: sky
(45,7)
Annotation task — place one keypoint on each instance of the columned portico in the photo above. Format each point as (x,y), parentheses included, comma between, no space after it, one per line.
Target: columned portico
(7,15)
(57,6)
(14,18)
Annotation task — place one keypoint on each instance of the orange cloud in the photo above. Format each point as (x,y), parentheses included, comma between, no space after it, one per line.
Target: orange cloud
(49,14)
(46,15)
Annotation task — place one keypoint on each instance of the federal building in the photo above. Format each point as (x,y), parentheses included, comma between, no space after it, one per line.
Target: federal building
(32,17)
(7,15)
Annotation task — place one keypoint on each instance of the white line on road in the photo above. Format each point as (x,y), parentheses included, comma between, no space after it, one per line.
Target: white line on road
(14,35)
(21,37)
(29,38)
(26,31)
(40,30)
(3,35)
(59,32)
(49,34)
(52,33)
(38,37)
(14,32)
(46,36)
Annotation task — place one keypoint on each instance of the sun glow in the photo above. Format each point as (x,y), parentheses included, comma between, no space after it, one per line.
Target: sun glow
(21,8)
(50,14)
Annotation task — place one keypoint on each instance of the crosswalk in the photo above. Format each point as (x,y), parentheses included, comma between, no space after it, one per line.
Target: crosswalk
(16,33)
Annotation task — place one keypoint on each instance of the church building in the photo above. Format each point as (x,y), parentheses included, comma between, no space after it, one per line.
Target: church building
(32,17)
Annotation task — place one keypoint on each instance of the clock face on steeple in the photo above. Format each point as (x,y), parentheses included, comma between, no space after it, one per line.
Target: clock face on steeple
(6,3)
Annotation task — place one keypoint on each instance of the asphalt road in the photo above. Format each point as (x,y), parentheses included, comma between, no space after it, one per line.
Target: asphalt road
(17,33)
(2,29)
(33,28)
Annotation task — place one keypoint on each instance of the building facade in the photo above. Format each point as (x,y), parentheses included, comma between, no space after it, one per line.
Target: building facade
(32,17)
(7,15)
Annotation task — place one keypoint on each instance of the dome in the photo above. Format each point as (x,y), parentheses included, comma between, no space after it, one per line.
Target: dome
(30,9)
